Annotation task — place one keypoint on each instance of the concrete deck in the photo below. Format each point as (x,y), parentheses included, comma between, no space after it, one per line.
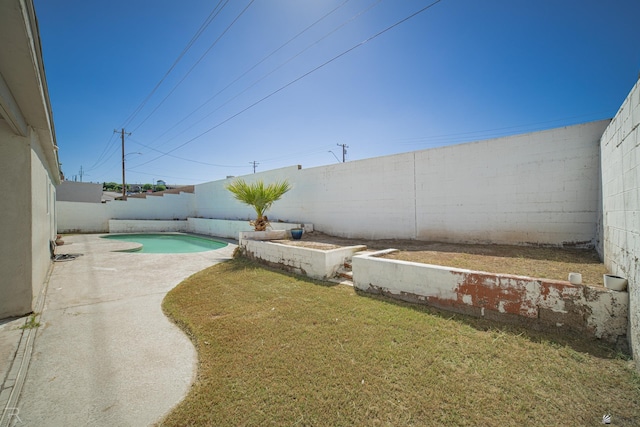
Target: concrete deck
(105,354)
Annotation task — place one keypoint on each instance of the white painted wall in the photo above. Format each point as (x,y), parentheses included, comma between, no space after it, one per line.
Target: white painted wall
(71,191)
(620,146)
(146,226)
(77,217)
(314,263)
(540,188)
(594,311)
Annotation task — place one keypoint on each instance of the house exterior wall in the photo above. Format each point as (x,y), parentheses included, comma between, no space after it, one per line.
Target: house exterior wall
(15,227)
(620,147)
(29,166)
(43,223)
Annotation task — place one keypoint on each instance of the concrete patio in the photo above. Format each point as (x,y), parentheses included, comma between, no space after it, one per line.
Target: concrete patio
(105,354)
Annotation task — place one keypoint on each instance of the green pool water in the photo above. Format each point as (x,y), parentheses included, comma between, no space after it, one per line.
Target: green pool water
(168,243)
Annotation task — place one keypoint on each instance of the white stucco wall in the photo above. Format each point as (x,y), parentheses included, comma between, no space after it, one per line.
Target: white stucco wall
(15,227)
(29,166)
(28,221)
(43,224)
(620,146)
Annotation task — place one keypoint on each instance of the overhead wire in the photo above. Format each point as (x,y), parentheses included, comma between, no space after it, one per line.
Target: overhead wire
(250,69)
(488,133)
(181,158)
(214,13)
(107,147)
(191,42)
(296,80)
(237,95)
(194,66)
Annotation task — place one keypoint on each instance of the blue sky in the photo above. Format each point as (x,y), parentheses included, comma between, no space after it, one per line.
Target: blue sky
(461,70)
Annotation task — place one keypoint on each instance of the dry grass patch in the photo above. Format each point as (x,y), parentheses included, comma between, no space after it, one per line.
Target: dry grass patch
(545,263)
(532,261)
(277,349)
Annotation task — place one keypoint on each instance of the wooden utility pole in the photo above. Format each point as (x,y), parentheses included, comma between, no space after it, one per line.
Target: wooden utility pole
(254,163)
(344,151)
(124,185)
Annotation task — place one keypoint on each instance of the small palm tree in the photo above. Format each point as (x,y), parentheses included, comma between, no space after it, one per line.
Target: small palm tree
(258,196)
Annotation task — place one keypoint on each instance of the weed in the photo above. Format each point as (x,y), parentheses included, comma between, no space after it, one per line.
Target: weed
(31,323)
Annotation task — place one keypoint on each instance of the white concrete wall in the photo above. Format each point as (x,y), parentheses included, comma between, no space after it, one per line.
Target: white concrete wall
(168,206)
(213,200)
(77,217)
(620,146)
(71,191)
(314,263)
(218,227)
(144,226)
(594,311)
(540,188)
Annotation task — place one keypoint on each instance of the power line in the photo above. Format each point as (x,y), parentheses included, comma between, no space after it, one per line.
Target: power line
(195,37)
(486,133)
(248,71)
(297,79)
(109,145)
(195,65)
(182,158)
(237,95)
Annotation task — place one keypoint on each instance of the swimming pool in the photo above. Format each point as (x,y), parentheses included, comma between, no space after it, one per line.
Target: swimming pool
(168,243)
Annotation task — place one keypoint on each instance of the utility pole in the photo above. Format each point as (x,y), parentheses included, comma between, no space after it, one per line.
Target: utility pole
(254,163)
(344,151)
(81,173)
(124,187)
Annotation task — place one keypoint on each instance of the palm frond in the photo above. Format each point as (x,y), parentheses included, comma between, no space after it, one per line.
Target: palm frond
(258,195)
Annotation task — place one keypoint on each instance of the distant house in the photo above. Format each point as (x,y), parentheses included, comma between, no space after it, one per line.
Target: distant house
(29,166)
(161,182)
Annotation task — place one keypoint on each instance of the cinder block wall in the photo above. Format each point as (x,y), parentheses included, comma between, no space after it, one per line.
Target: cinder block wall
(536,188)
(620,147)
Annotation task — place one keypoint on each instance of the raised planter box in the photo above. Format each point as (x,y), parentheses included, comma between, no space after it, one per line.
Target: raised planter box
(314,263)
(537,303)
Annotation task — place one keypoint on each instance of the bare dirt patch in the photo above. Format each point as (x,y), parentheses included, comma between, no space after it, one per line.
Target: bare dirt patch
(541,262)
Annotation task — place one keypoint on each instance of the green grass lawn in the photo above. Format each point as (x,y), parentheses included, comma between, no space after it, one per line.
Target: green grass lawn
(278,349)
